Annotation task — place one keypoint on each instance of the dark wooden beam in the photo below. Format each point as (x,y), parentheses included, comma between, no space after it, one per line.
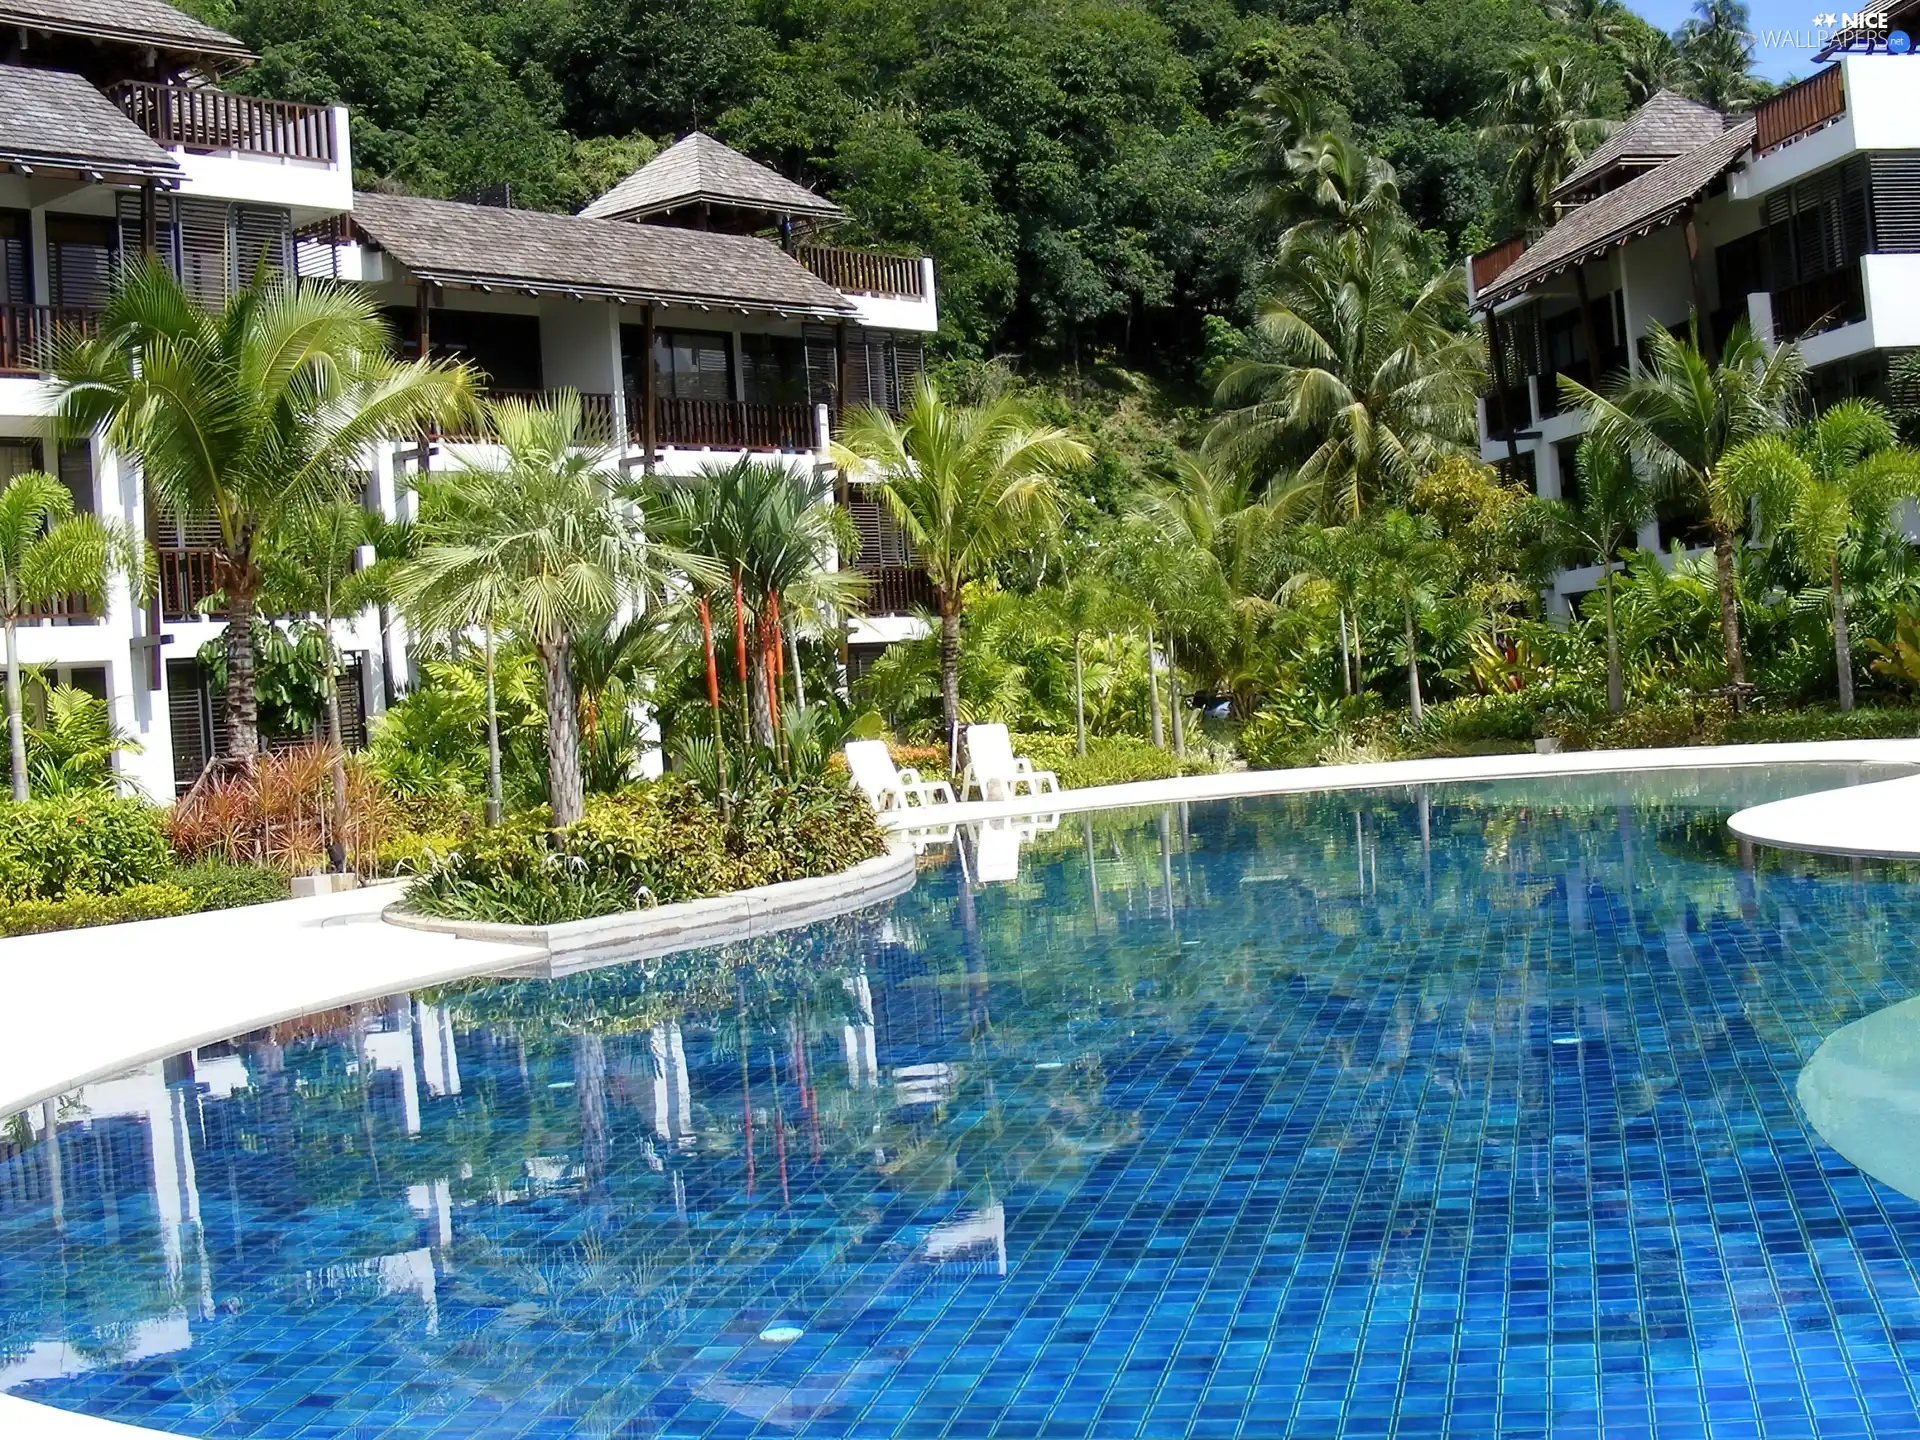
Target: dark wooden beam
(649,396)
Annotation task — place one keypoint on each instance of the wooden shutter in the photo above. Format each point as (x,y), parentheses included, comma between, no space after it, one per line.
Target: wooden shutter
(80,255)
(206,258)
(263,239)
(859,378)
(353,712)
(909,364)
(76,473)
(1896,203)
(823,364)
(189,721)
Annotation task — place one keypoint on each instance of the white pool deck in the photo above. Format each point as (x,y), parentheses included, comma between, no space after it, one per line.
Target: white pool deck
(84,1004)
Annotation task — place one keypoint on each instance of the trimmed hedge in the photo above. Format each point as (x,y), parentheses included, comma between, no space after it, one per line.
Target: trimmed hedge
(77,910)
(84,844)
(653,845)
(1110,760)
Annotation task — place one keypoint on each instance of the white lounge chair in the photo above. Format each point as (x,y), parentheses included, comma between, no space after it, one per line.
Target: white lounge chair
(888,787)
(996,772)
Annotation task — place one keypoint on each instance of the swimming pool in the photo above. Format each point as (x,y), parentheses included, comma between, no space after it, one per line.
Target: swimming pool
(1458,1112)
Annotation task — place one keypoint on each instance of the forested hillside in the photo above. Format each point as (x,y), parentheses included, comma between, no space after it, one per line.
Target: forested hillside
(1076,167)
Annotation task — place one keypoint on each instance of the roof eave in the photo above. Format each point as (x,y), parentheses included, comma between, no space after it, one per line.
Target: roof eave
(434,275)
(94,168)
(825,210)
(227,50)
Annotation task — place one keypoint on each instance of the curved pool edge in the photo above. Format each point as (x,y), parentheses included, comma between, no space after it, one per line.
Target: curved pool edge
(1877,821)
(142,1010)
(1860,1090)
(690,924)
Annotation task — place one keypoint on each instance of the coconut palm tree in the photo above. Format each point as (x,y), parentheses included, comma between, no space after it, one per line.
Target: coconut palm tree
(773,535)
(1083,605)
(1613,503)
(47,553)
(1366,382)
(245,416)
(1716,54)
(1649,63)
(1680,419)
(547,538)
(1542,117)
(968,484)
(1829,482)
(1414,566)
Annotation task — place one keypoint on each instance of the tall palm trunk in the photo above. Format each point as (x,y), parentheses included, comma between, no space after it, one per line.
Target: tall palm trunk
(1079,698)
(243,706)
(1842,645)
(949,602)
(566,791)
(1346,659)
(1729,618)
(1413,664)
(1175,709)
(1616,681)
(495,799)
(16,722)
(336,747)
(1157,730)
(760,683)
(713,701)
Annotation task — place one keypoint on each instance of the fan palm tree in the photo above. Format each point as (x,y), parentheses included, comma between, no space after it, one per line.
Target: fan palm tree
(772,536)
(1366,383)
(245,416)
(1613,504)
(968,484)
(1831,481)
(546,537)
(47,553)
(1681,418)
(1543,117)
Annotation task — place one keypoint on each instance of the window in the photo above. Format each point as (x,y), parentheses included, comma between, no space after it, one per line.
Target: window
(1818,226)
(16,259)
(504,348)
(18,456)
(80,256)
(1566,457)
(76,473)
(774,369)
(693,365)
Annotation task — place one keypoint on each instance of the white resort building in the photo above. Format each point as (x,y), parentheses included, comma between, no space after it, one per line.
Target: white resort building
(691,306)
(1802,218)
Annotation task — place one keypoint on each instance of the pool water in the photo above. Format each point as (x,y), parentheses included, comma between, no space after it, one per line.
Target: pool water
(1465,1111)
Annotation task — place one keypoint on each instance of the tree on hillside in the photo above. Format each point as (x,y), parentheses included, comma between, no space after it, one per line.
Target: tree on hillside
(1543,118)
(1716,54)
(1829,483)
(968,485)
(1648,61)
(245,416)
(47,553)
(1680,418)
(1363,383)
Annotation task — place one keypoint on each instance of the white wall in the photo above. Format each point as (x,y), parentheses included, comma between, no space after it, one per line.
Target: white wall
(1893,298)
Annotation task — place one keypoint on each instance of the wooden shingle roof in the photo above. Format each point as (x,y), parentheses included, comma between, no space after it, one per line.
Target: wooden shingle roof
(1666,126)
(481,246)
(138,22)
(699,168)
(1652,200)
(55,121)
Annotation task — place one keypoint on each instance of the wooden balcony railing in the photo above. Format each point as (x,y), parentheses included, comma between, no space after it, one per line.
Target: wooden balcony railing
(67,607)
(596,417)
(1612,362)
(1823,303)
(188,576)
(722,424)
(897,589)
(198,118)
(27,333)
(861,272)
(1489,265)
(1800,109)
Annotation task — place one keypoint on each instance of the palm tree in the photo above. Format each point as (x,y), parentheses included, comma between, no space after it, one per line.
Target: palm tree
(1367,383)
(312,566)
(1543,116)
(1414,566)
(1830,481)
(47,553)
(1085,604)
(773,536)
(1649,63)
(245,416)
(968,484)
(1613,504)
(1716,54)
(1681,418)
(548,538)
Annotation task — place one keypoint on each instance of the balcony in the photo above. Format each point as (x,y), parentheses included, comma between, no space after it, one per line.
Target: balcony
(722,425)
(1612,361)
(27,333)
(70,608)
(861,272)
(896,589)
(198,118)
(1799,110)
(188,575)
(598,423)
(1489,265)
(1824,303)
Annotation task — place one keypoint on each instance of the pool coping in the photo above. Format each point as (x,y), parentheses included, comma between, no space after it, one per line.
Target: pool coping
(577,945)
(175,1016)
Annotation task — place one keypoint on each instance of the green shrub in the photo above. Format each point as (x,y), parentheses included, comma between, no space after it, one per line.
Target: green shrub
(88,844)
(221,885)
(1652,725)
(654,845)
(78,909)
(1507,716)
(1764,727)
(1110,760)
